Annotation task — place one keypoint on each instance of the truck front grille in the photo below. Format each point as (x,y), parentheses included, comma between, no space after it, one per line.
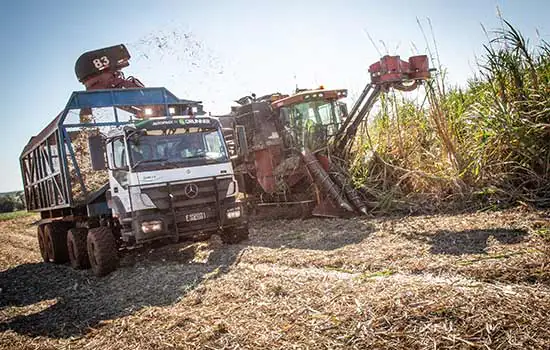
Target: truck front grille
(177,198)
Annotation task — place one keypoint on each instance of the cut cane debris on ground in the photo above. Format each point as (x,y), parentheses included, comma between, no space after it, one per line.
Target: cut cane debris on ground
(474,280)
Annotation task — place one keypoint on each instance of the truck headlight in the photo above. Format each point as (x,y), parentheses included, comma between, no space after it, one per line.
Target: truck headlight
(151,226)
(232,189)
(233,213)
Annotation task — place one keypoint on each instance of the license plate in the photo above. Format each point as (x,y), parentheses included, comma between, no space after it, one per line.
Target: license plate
(195,216)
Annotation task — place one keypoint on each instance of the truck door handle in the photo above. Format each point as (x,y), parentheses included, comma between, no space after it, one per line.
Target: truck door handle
(115,189)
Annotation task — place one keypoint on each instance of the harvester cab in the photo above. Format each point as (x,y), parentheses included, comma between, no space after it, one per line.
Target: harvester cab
(309,118)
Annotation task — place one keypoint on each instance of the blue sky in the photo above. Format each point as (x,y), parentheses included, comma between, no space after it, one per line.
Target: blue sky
(230,48)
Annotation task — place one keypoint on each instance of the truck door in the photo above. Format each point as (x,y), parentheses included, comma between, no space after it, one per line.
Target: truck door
(119,176)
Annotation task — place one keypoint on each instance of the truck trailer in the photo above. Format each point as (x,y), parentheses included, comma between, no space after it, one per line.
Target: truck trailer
(119,168)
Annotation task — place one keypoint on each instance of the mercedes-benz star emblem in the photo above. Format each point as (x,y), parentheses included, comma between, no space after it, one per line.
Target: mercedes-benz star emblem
(191,190)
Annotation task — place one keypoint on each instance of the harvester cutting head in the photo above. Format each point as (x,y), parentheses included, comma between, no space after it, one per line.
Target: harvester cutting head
(101,69)
(391,71)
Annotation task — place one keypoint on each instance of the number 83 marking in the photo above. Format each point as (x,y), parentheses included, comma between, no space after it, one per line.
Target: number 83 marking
(101,63)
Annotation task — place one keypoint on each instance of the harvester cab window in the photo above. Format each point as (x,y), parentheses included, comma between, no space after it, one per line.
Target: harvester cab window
(313,115)
(311,120)
(300,112)
(325,114)
(314,112)
(285,116)
(341,111)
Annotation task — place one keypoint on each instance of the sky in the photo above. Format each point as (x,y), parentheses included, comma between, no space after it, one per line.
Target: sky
(219,51)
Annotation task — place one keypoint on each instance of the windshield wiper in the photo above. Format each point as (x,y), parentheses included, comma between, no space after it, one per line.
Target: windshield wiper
(149,161)
(202,155)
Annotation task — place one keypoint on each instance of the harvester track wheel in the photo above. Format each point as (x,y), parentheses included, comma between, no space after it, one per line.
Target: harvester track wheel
(55,239)
(234,235)
(77,247)
(42,243)
(102,251)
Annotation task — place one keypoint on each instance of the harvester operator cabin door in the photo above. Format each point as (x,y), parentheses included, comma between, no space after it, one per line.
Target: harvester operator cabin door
(119,176)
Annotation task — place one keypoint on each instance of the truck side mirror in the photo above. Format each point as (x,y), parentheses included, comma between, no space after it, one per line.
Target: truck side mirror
(97,152)
(241,139)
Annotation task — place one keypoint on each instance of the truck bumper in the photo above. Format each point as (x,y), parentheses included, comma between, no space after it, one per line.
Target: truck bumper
(150,225)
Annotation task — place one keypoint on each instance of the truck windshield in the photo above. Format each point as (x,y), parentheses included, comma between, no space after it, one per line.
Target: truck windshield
(181,149)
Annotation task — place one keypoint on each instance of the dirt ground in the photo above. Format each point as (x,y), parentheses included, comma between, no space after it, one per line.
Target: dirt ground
(478,280)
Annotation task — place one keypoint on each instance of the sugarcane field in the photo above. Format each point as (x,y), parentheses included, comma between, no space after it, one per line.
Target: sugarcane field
(290,175)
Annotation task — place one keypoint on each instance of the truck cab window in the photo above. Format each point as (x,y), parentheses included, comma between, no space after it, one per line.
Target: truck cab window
(119,154)
(213,143)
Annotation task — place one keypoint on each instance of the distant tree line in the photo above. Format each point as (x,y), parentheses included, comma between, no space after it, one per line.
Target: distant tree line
(12,201)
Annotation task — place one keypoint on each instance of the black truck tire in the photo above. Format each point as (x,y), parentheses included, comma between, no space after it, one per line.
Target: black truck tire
(42,243)
(234,235)
(102,251)
(77,247)
(55,239)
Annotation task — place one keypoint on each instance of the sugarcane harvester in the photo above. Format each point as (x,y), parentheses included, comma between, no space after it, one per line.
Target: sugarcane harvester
(294,148)
(125,165)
